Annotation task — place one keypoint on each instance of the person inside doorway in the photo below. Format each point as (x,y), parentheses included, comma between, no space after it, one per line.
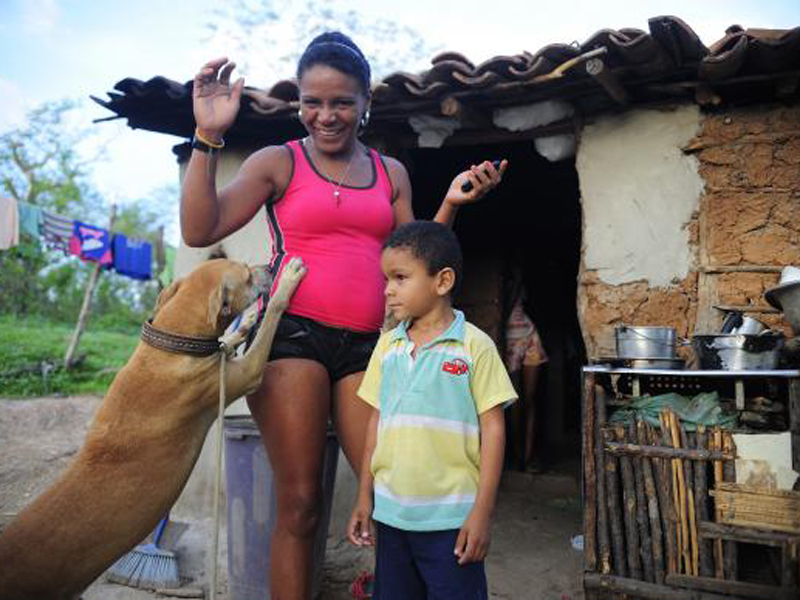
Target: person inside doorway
(524,357)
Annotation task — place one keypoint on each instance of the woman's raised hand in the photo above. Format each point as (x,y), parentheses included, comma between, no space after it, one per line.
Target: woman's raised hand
(483,177)
(214,100)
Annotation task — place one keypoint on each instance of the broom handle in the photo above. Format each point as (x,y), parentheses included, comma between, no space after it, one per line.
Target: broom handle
(162,525)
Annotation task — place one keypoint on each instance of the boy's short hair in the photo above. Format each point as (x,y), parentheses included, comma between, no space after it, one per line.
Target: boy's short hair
(433,243)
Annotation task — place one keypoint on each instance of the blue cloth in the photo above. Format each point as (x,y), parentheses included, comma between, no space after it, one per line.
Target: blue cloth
(133,258)
(420,565)
(91,243)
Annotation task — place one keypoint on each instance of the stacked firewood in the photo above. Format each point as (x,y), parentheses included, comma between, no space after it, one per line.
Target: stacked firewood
(657,483)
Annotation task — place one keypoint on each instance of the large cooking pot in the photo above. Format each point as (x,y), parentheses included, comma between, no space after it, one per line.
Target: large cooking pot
(645,342)
(737,352)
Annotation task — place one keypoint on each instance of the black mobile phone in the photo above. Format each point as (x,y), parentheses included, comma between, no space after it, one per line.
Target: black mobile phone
(467,187)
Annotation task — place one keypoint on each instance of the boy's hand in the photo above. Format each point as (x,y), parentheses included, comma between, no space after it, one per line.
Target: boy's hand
(359,529)
(473,539)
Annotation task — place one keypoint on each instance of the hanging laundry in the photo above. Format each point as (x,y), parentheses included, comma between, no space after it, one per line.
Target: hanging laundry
(91,243)
(56,230)
(9,223)
(30,219)
(133,258)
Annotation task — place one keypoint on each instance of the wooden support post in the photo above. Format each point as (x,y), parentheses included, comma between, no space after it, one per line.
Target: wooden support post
(618,549)
(642,519)
(589,476)
(72,349)
(668,515)
(653,508)
(603,536)
(706,564)
(629,512)
(610,82)
(688,471)
(715,443)
(730,562)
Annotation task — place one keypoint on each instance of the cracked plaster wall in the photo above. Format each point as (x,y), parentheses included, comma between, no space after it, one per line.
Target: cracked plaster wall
(746,216)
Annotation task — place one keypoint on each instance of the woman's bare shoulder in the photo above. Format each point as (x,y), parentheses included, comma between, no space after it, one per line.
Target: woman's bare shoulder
(272,163)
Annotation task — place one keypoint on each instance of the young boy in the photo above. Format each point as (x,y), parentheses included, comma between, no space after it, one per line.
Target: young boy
(434,447)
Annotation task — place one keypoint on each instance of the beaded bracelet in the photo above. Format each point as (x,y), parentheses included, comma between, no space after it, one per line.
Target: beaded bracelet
(205,145)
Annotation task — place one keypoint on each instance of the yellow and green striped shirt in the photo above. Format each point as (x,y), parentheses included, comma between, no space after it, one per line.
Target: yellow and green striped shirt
(427,458)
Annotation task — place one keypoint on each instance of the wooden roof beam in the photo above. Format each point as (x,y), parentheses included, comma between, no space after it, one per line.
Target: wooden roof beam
(610,82)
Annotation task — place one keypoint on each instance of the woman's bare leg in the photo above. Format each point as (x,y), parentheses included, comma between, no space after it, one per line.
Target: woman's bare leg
(350,415)
(530,376)
(291,409)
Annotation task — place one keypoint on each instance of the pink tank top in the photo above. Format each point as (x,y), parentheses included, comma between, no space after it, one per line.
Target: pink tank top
(340,243)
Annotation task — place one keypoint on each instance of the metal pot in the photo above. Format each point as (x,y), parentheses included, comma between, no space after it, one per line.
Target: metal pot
(657,363)
(737,352)
(645,342)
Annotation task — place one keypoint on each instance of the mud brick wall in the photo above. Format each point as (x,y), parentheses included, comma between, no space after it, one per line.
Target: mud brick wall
(746,228)
(749,217)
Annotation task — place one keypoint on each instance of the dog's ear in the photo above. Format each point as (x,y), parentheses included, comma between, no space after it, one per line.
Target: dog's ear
(165,295)
(219,308)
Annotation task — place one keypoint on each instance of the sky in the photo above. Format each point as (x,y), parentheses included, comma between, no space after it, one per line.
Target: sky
(56,49)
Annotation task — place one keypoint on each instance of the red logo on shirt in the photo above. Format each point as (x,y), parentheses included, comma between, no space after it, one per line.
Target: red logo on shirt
(455,367)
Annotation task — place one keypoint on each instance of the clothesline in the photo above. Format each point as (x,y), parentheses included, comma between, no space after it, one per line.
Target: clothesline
(128,256)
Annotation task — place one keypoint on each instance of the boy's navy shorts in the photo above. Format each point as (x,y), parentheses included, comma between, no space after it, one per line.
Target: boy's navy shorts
(420,565)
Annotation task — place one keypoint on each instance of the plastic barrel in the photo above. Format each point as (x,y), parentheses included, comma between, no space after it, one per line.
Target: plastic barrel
(252,509)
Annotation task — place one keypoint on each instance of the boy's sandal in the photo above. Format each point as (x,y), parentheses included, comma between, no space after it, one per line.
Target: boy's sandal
(361,588)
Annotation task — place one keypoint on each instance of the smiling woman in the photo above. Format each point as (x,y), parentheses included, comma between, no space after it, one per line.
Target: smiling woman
(331,201)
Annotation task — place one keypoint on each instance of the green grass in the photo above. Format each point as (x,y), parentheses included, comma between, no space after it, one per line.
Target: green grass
(30,341)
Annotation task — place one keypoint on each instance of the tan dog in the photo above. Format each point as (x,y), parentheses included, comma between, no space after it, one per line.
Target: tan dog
(145,438)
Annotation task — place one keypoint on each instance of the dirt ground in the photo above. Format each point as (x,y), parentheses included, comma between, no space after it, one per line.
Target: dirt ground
(531,556)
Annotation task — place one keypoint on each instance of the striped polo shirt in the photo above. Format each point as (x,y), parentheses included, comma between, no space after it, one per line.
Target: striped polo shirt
(427,458)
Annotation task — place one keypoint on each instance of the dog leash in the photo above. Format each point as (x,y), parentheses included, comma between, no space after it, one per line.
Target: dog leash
(225,345)
(224,351)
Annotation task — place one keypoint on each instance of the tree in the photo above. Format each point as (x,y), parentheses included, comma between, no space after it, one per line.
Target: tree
(47,162)
(266,37)
(40,165)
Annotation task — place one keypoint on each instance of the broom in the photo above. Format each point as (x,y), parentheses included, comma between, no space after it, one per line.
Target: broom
(147,566)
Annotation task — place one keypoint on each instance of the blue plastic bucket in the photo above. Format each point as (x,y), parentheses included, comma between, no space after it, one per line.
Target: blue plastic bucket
(252,509)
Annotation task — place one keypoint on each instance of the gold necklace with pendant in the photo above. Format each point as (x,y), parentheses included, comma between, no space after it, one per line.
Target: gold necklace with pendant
(336,194)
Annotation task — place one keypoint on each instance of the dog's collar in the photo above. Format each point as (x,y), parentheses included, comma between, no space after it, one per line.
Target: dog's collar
(179,344)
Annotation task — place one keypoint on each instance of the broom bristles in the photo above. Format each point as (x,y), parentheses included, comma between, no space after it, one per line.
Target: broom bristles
(148,567)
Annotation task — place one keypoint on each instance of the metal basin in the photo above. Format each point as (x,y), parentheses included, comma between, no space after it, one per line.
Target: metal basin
(645,342)
(737,352)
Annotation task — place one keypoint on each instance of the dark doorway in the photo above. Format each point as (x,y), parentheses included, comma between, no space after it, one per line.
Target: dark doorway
(534,220)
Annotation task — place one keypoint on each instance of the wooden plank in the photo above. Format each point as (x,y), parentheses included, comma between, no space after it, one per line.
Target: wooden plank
(589,476)
(746,535)
(739,589)
(665,452)
(642,589)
